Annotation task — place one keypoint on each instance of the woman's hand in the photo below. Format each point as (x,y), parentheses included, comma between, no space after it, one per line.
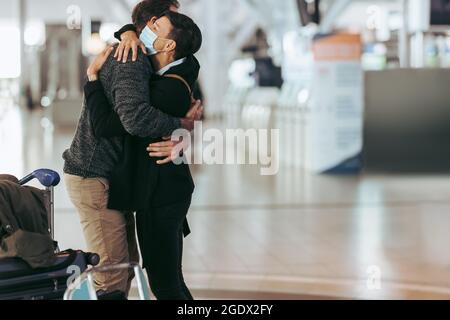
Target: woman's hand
(130,41)
(99,61)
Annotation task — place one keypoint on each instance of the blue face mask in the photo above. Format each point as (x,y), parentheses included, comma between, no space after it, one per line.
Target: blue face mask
(148,37)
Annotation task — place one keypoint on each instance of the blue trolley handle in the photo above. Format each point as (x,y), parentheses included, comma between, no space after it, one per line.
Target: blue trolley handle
(49,179)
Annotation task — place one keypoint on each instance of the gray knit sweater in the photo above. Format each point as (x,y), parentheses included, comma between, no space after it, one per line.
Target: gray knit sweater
(127,89)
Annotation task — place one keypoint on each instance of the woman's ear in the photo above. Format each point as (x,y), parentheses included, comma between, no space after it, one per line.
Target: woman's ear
(171,45)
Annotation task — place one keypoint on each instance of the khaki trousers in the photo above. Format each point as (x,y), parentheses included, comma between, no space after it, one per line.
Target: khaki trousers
(111,234)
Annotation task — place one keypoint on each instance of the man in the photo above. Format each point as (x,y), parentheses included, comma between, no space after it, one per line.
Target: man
(90,160)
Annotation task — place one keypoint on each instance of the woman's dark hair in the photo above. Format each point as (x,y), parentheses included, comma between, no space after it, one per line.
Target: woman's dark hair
(185,33)
(145,10)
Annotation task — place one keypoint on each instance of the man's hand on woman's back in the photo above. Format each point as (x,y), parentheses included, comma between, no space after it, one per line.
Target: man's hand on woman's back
(169,149)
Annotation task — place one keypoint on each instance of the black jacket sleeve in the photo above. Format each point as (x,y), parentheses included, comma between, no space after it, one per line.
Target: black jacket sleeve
(104,120)
(128,27)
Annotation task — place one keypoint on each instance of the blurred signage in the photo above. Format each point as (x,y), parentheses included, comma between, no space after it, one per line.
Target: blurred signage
(337,48)
(334,133)
(267,74)
(440,13)
(428,14)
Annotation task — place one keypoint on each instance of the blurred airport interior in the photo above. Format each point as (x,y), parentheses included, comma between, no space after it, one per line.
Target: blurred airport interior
(360,205)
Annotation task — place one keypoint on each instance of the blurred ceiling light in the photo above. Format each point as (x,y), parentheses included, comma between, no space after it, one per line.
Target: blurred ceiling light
(10,59)
(303,96)
(46,102)
(240,72)
(35,33)
(46,123)
(62,94)
(95,44)
(107,31)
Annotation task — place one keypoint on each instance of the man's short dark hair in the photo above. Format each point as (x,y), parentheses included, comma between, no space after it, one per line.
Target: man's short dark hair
(185,33)
(145,10)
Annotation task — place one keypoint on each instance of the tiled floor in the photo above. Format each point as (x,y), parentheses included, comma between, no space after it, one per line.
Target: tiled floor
(294,233)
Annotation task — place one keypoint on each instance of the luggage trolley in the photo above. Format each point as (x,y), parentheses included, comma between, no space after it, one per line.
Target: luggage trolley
(49,179)
(18,281)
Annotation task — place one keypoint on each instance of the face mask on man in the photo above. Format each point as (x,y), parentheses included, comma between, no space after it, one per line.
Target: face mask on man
(148,37)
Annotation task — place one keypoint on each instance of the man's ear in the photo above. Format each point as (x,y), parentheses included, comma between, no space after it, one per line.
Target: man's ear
(151,22)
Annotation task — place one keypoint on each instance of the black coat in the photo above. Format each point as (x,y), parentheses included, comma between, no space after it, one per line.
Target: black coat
(138,182)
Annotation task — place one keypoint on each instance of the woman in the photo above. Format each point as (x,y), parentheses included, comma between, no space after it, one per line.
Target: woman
(161,194)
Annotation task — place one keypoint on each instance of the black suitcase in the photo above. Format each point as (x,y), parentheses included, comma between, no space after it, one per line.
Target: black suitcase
(18,281)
